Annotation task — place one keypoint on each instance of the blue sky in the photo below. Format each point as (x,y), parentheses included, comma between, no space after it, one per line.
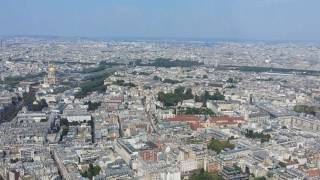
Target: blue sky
(216,19)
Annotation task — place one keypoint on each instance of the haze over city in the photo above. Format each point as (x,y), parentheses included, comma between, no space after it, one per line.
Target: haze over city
(159,90)
(276,20)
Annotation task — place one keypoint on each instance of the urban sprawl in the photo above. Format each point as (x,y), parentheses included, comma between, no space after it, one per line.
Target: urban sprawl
(163,110)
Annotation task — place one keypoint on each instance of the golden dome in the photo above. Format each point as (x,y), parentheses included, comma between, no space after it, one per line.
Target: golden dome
(52,68)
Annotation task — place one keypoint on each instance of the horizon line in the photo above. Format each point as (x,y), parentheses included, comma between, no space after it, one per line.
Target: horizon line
(160,38)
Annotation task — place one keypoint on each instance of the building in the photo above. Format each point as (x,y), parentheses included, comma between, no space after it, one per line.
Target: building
(231,173)
(76,113)
(50,79)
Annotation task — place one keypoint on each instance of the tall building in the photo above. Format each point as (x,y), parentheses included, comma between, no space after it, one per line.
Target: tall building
(52,74)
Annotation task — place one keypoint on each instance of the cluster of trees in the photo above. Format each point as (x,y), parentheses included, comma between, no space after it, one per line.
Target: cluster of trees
(92,106)
(28,99)
(103,65)
(111,63)
(157,78)
(64,124)
(94,83)
(94,69)
(306,109)
(271,69)
(163,62)
(11,110)
(146,87)
(268,79)
(30,102)
(256,135)
(172,99)
(196,111)
(206,96)
(171,81)
(91,172)
(169,99)
(91,86)
(180,94)
(203,175)
(38,105)
(61,89)
(231,80)
(123,83)
(217,145)
(14,80)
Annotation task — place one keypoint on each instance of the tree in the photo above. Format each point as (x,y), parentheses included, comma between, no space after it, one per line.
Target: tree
(171,81)
(65,130)
(188,94)
(255,135)
(93,83)
(217,96)
(64,124)
(157,78)
(306,109)
(218,146)
(172,99)
(91,172)
(282,164)
(206,176)
(269,174)
(231,80)
(92,106)
(206,96)
(123,83)
(197,111)
(167,63)
(33,105)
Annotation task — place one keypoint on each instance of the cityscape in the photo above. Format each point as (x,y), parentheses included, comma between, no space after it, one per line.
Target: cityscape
(124,110)
(77,107)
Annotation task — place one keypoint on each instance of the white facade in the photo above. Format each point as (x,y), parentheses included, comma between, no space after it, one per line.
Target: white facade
(188,165)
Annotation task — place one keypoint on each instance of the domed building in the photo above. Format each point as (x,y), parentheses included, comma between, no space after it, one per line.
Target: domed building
(50,79)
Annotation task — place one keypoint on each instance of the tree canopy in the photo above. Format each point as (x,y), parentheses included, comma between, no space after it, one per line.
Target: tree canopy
(218,145)
(91,172)
(167,63)
(32,104)
(206,96)
(123,83)
(256,135)
(306,109)
(196,111)
(206,176)
(93,105)
(172,99)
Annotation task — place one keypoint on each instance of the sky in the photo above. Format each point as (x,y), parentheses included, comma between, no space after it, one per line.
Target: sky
(279,20)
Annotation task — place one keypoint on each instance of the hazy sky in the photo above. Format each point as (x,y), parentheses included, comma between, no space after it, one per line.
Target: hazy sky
(218,19)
